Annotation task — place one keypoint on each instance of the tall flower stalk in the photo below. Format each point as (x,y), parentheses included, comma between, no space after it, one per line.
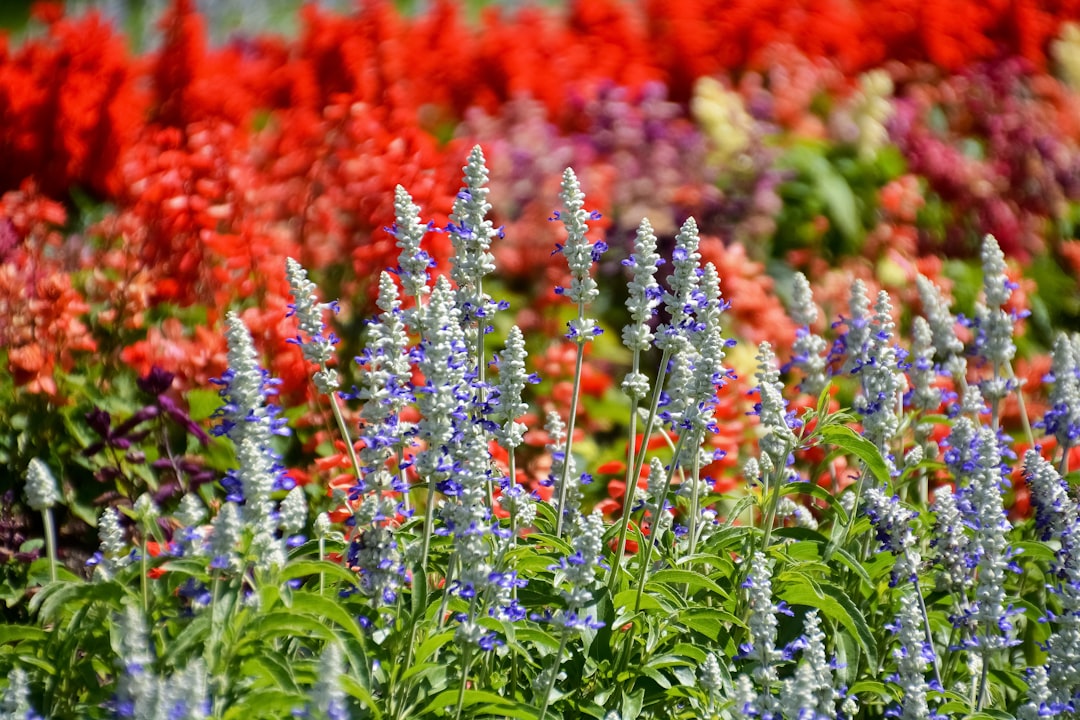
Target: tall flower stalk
(680,302)
(41,495)
(317,345)
(643,298)
(580,255)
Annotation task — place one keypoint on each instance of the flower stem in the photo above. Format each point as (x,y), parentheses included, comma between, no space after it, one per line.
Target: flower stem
(635,461)
(570,433)
(50,541)
(554,674)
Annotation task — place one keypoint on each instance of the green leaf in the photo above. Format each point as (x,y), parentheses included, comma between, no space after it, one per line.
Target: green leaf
(309,568)
(265,702)
(1034,550)
(685,577)
(845,438)
(710,622)
(493,704)
(818,493)
(287,624)
(836,605)
(432,644)
(323,607)
(19,633)
(193,636)
(350,685)
(272,665)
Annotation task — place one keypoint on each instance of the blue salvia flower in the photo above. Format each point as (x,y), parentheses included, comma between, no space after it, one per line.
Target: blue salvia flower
(682,298)
(293,517)
(513,378)
(994,325)
(41,492)
(466,517)
(745,697)
(989,617)
(810,692)
(1058,516)
(471,234)
(413,261)
(892,522)
(962,447)
(644,296)
(562,467)
(942,323)
(677,398)
(246,389)
(778,440)
(327,697)
(190,514)
(799,514)
(952,547)
(579,572)
(225,534)
(15,701)
(113,553)
(854,343)
(922,396)
(375,555)
(711,681)
(808,351)
(250,421)
(580,255)
(656,502)
(1055,511)
(316,344)
(761,648)
(913,656)
(386,389)
(141,694)
(881,380)
(1041,702)
(444,362)
(1062,420)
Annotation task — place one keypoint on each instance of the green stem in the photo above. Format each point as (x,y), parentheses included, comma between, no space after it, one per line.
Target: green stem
(636,460)
(660,501)
(628,496)
(774,500)
(322,557)
(695,501)
(465,665)
(344,430)
(145,581)
(50,540)
(569,435)
(554,674)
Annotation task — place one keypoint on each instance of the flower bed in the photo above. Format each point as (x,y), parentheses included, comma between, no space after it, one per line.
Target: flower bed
(798,444)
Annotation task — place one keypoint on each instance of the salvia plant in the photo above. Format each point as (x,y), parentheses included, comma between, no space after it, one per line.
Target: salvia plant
(865,567)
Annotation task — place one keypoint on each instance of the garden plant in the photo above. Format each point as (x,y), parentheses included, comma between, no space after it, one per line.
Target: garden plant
(306,417)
